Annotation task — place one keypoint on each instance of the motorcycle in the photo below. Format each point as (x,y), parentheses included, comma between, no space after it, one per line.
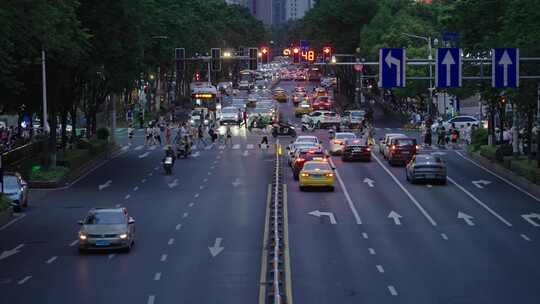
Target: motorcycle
(168,164)
(308,126)
(283,128)
(182,151)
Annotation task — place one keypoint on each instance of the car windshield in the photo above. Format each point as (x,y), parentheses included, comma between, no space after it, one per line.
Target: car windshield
(105,218)
(316,166)
(423,158)
(307,139)
(405,142)
(357,114)
(345,136)
(229,110)
(10,183)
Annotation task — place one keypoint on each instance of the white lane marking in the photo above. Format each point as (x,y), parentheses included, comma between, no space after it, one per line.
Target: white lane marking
(221,147)
(219,156)
(392,290)
(157,276)
(526,238)
(201,187)
(191,205)
(429,186)
(117,205)
(196,195)
(143,180)
(246,153)
(196,154)
(24,280)
(150,174)
(236,182)
(138,148)
(372,251)
(174,183)
(209,147)
(185,215)
(236,146)
(111,256)
(415,202)
(209,173)
(250,146)
(178,226)
(443,235)
(51,259)
(365,235)
(13,221)
(105,185)
(73,243)
(205,180)
(156,168)
(212,167)
(380,268)
(215,162)
(500,177)
(170,242)
(127,196)
(479,202)
(347,196)
(152,148)
(135,188)
(145,154)
(388,129)
(151,299)
(163,257)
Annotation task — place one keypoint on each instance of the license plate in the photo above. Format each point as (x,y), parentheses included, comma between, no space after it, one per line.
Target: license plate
(404,152)
(357,150)
(316,175)
(102,243)
(285,130)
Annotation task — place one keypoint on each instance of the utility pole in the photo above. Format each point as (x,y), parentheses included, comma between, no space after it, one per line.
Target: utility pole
(45,122)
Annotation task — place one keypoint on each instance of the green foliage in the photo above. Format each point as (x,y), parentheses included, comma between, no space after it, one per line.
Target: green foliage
(53,174)
(4,202)
(479,137)
(527,169)
(488,152)
(103,133)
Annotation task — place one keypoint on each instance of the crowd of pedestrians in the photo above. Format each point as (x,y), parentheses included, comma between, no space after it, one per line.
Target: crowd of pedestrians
(12,137)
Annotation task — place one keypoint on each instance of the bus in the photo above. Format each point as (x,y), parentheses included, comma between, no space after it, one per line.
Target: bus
(205,95)
(246,80)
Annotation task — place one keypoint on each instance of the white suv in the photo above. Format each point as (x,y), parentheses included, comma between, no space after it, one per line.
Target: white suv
(322,119)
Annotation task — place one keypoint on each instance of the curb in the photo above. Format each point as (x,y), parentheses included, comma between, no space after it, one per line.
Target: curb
(514,178)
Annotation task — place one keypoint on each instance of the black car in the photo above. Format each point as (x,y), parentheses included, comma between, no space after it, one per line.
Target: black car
(355,150)
(283,129)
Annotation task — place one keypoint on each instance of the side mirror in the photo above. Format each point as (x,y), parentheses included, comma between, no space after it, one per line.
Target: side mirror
(287,148)
(80,222)
(131,221)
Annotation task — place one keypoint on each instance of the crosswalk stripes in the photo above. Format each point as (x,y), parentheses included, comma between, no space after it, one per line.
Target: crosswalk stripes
(236,146)
(250,146)
(222,147)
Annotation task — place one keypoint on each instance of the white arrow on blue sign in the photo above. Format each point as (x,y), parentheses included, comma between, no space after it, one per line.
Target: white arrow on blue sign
(448,68)
(392,67)
(505,68)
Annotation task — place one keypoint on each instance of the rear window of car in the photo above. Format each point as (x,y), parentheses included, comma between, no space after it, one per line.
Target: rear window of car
(404,142)
(307,139)
(229,110)
(316,166)
(345,136)
(10,183)
(105,218)
(428,158)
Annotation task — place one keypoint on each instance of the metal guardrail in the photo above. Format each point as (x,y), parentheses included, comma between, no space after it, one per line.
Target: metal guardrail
(276,273)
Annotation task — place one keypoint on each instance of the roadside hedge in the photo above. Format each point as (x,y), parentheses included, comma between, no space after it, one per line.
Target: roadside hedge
(479,137)
(527,169)
(489,152)
(53,174)
(4,202)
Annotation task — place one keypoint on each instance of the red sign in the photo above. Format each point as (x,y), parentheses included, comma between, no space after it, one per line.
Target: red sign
(358,67)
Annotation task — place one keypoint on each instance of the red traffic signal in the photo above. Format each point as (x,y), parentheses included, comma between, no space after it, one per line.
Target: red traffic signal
(264,55)
(197,76)
(296,55)
(327,53)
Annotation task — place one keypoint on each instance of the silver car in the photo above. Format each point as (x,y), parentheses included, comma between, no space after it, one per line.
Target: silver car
(107,228)
(426,167)
(16,189)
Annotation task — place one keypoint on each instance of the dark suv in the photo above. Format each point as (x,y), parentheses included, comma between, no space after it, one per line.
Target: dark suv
(304,155)
(401,150)
(354,150)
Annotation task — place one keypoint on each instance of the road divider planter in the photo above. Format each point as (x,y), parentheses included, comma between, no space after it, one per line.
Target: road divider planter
(6,212)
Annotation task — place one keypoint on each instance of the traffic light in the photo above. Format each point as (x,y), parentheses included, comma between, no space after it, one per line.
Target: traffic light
(253,52)
(265,53)
(296,55)
(327,53)
(197,76)
(216,60)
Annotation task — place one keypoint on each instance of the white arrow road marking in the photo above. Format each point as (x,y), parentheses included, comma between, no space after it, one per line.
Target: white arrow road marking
(157,276)
(505,62)
(396,217)
(250,146)
(236,146)
(145,154)
(196,154)
(125,148)
(236,182)
(8,253)
(394,61)
(330,215)
(106,185)
(530,218)
(481,183)
(448,61)
(347,196)
(246,153)
(138,148)
(151,299)
(479,202)
(370,182)
(51,260)
(217,248)
(467,218)
(24,280)
(174,183)
(163,258)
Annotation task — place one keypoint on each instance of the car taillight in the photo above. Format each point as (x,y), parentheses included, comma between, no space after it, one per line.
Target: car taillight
(329,174)
(393,147)
(417,147)
(368,149)
(304,174)
(299,160)
(338,142)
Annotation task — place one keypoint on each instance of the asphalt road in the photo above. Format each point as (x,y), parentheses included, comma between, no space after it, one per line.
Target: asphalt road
(427,255)
(217,199)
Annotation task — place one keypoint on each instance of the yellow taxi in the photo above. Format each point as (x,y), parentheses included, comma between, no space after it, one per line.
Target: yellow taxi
(303,107)
(317,173)
(320,92)
(280,95)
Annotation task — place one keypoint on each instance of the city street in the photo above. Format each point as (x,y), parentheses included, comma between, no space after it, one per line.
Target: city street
(376,239)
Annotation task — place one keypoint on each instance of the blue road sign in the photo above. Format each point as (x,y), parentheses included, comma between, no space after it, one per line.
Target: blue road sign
(448,68)
(392,68)
(505,68)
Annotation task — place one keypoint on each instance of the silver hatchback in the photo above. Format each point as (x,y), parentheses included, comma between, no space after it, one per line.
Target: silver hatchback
(107,228)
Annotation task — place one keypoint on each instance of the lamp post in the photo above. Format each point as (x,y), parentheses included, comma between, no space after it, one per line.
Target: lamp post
(430,57)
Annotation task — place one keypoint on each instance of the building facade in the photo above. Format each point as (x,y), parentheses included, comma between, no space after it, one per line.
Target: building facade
(274,12)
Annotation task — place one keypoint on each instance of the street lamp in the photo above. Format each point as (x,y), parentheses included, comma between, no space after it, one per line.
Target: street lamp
(430,57)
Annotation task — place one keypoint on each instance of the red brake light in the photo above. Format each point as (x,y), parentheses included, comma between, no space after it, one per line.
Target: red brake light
(393,147)
(417,147)
(368,149)
(300,159)
(329,174)
(303,174)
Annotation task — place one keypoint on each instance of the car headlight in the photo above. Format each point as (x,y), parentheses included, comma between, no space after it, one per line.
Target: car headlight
(82,236)
(206,121)
(123,236)
(193,121)
(292,128)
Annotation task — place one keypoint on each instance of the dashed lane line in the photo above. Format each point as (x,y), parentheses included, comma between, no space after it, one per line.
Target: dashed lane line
(151,299)
(365,235)
(127,196)
(525,237)
(479,202)
(24,280)
(196,195)
(170,242)
(371,251)
(163,257)
(380,269)
(13,221)
(444,236)
(49,261)
(191,205)
(185,215)
(73,243)
(157,276)
(178,226)
(415,202)
(136,188)
(392,290)
(111,256)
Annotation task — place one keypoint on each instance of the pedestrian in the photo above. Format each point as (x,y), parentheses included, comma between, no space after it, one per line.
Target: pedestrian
(148,139)
(141,120)
(131,130)
(228,135)
(200,135)
(157,135)
(168,133)
(427,137)
(244,116)
(240,117)
(441,136)
(264,143)
(212,134)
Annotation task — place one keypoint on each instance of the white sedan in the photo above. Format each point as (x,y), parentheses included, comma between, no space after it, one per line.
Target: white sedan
(338,142)
(458,122)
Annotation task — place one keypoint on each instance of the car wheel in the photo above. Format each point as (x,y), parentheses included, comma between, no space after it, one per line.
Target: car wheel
(412,180)
(331,189)
(17,208)
(81,250)
(302,188)
(443,181)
